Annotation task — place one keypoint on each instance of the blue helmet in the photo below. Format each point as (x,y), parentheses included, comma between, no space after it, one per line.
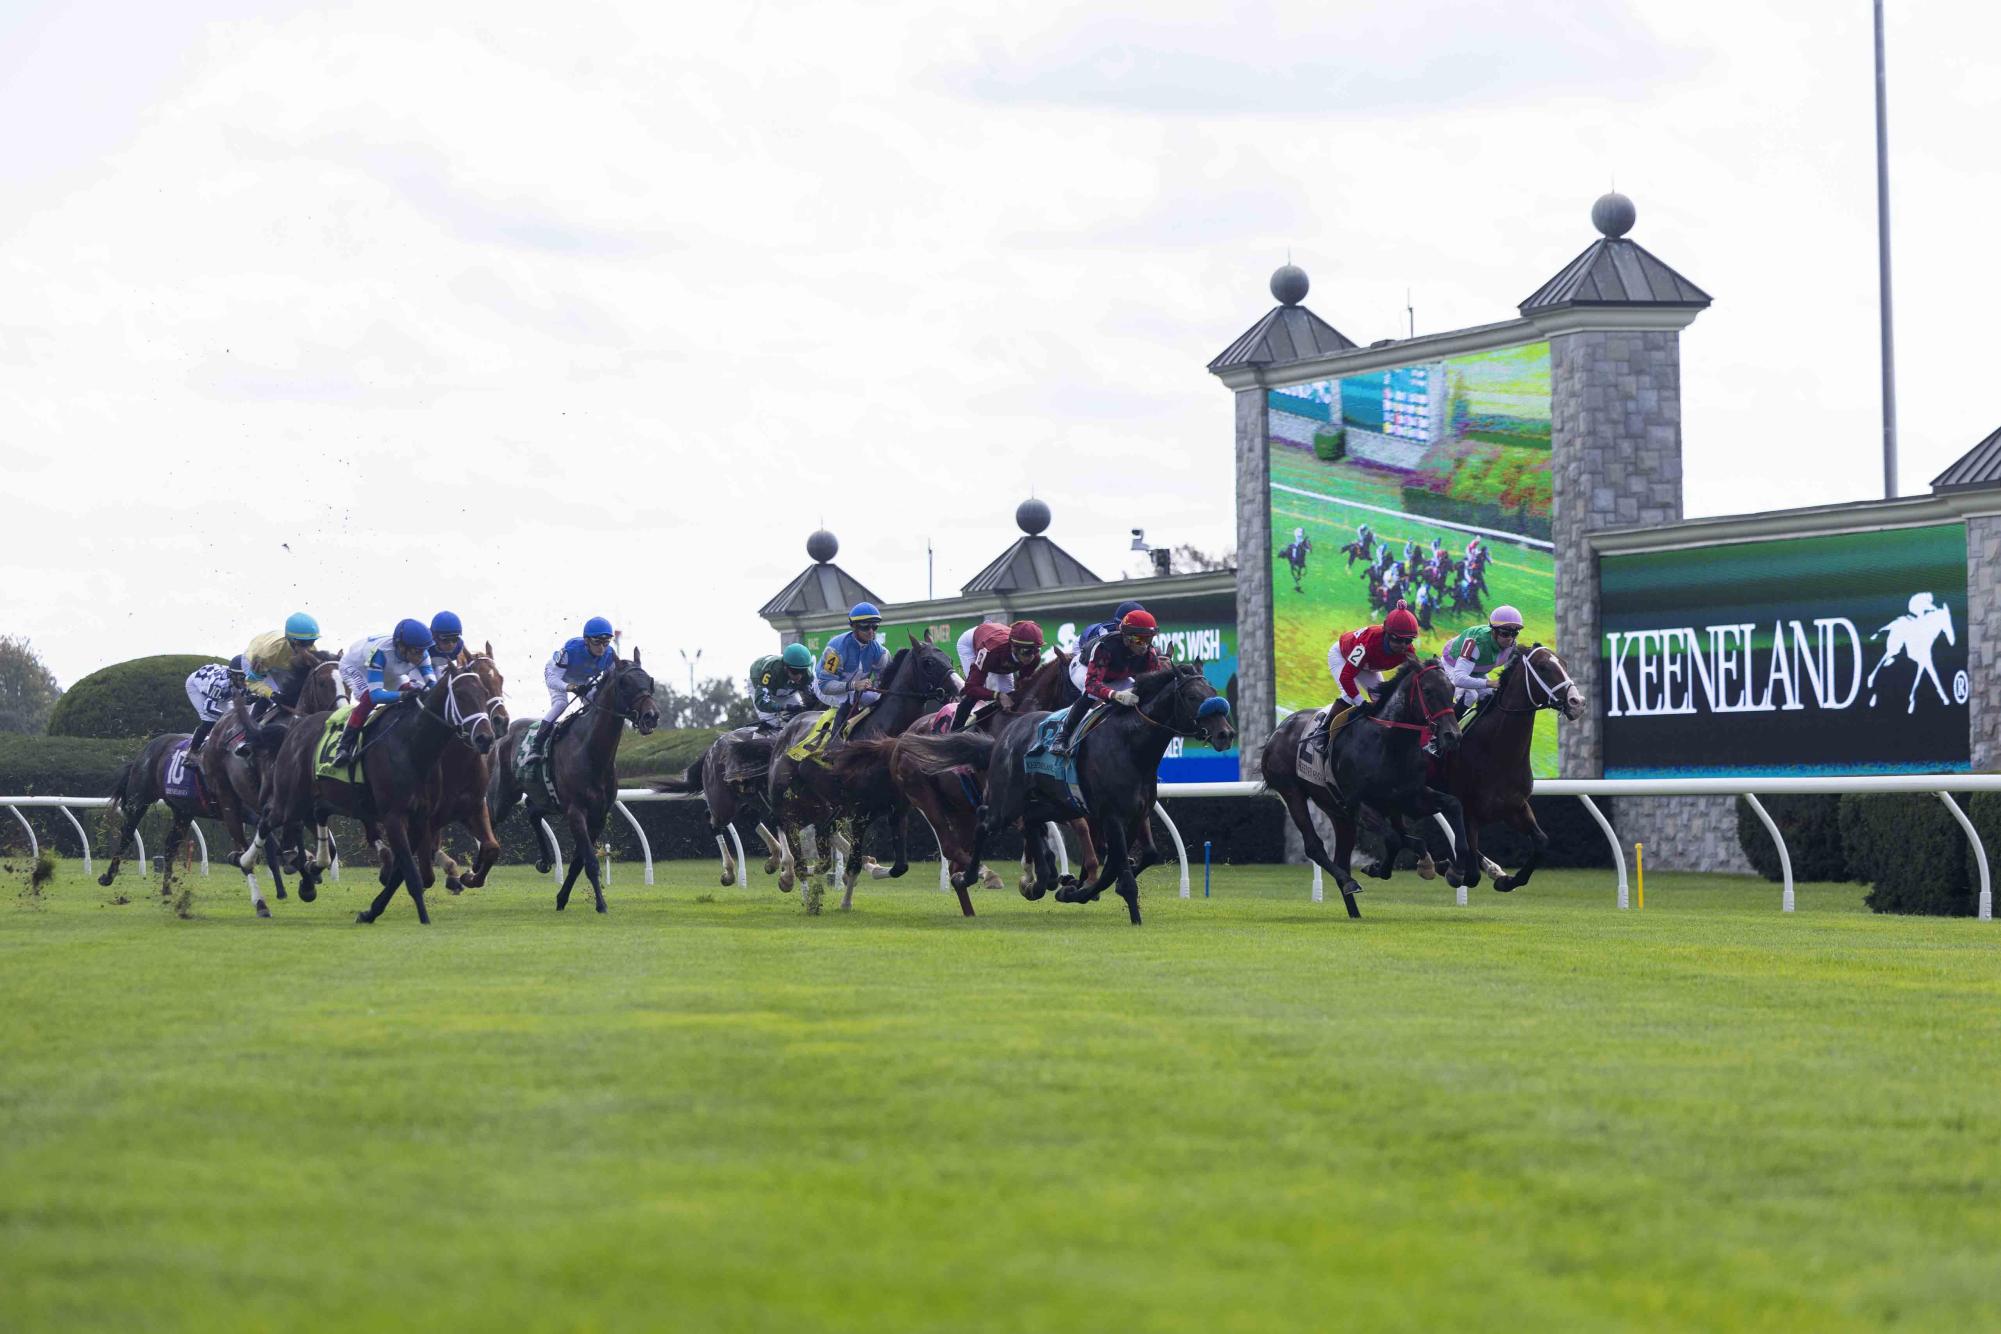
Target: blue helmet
(236,664)
(446,623)
(597,627)
(864,613)
(1124,608)
(412,634)
(301,627)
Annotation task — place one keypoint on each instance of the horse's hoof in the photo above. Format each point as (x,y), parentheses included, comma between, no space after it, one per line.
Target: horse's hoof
(307,893)
(454,887)
(263,911)
(1427,871)
(542,868)
(281,892)
(105,880)
(1505,885)
(1033,892)
(728,879)
(603,909)
(363,919)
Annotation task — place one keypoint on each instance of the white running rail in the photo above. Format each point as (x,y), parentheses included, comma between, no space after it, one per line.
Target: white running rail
(1584,789)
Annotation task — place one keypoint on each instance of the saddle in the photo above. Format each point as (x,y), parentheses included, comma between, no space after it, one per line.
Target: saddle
(1315,757)
(822,731)
(324,765)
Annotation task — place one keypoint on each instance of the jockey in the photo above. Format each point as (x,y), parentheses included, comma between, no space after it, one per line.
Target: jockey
(382,669)
(1360,657)
(1091,634)
(580,660)
(778,685)
(447,638)
(990,654)
(1115,660)
(1483,649)
(211,687)
(275,666)
(1364,535)
(851,664)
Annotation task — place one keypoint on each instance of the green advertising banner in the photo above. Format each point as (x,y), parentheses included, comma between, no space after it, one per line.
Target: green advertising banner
(1839,654)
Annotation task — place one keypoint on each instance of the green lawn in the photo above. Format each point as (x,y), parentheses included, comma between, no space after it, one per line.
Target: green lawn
(707,1111)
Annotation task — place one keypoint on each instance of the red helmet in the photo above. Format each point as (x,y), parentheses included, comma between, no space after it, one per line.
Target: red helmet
(1400,623)
(1139,624)
(1025,634)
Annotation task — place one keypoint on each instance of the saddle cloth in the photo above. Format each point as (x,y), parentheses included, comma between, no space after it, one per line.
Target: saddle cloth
(537,776)
(324,765)
(1050,775)
(1315,758)
(183,779)
(822,730)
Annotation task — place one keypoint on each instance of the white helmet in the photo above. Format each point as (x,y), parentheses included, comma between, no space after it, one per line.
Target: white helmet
(1298,533)
(1505,616)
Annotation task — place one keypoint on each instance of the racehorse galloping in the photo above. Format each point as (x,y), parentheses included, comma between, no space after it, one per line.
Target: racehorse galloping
(733,772)
(1490,772)
(237,783)
(583,760)
(1296,552)
(1376,758)
(144,780)
(800,792)
(463,775)
(1118,761)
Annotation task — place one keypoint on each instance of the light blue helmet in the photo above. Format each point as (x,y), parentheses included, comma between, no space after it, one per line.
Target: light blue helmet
(411,633)
(864,613)
(301,627)
(597,627)
(446,623)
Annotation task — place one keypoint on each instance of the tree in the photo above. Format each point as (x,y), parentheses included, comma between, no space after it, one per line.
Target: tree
(28,689)
(717,702)
(141,697)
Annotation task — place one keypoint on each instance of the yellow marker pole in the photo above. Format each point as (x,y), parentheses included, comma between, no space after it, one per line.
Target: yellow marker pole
(1640,876)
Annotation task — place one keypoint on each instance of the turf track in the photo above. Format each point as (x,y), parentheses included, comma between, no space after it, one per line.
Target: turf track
(707,1111)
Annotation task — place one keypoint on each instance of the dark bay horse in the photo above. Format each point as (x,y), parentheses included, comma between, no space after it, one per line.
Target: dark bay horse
(464,772)
(143,781)
(584,759)
(731,774)
(1118,762)
(1490,773)
(1375,759)
(800,792)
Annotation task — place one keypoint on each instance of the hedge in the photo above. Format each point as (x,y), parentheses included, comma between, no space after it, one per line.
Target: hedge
(1911,851)
(139,698)
(1811,826)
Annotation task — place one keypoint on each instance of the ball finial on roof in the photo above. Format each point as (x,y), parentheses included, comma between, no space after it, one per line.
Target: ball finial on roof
(1031,516)
(823,546)
(1613,214)
(1289,284)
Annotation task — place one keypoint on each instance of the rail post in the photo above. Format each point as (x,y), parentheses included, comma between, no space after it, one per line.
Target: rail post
(1785,857)
(1180,848)
(81,837)
(34,844)
(1612,840)
(646,849)
(555,849)
(1986,910)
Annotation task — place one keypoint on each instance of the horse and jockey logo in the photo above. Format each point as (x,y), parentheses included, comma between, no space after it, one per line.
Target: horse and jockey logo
(1913,636)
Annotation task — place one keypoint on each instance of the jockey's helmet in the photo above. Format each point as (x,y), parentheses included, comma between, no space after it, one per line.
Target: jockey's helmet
(597,627)
(1120,613)
(1505,618)
(301,628)
(1298,534)
(1138,628)
(236,665)
(1400,627)
(1025,639)
(864,616)
(446,625)
(412,633)
(798,657)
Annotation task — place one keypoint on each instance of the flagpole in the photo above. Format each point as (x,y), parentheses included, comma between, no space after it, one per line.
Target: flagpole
(1883,268)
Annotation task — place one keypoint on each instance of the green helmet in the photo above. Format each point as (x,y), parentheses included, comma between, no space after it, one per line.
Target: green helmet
(301,627)
(799,656)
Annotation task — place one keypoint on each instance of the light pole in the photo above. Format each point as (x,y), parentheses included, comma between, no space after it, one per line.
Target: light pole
(1883,267)
(691,668)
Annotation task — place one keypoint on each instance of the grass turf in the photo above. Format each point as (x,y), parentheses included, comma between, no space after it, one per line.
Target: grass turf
(707,1111)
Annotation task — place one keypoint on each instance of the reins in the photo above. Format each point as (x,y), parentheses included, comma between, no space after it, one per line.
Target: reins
(1410,684)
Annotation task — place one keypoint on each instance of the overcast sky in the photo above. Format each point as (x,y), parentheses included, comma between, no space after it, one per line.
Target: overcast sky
(539,312)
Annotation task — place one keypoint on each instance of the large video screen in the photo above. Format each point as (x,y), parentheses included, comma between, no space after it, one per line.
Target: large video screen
(1841,654)
(1426,484)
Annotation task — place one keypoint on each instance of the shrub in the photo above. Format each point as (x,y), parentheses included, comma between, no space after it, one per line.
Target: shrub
(139,698)
(1328,446)
(1911,851)
(1811,826)
(667,751)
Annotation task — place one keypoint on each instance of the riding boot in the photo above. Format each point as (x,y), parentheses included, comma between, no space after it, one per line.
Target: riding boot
(1076,715)
(960,714)
(350,737)
(202,729)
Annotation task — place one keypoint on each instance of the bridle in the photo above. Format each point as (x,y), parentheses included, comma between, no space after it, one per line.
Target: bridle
(937,692)
(1555,697)
(609,683)
(456,714)
(1172,725)
(1413,693)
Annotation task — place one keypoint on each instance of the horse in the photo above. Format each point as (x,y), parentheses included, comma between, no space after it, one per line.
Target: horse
(732,772)
(1376,758)
(1913,636)
(583,760)
(1295,558)
(917,677)
(393,787)
(142,781)
(463,774)
(1117,760)
(1490,774)
(1360,549)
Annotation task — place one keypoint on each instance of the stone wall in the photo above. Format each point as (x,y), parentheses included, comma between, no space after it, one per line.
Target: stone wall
(1683,833)
(1983,624)
(1615,436)
(1256,690)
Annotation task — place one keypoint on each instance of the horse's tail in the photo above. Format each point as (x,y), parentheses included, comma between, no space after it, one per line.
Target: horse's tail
(689,781)
(939,754)
(861,759)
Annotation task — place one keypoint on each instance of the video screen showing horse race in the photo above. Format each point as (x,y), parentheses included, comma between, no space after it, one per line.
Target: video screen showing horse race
(777,668)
